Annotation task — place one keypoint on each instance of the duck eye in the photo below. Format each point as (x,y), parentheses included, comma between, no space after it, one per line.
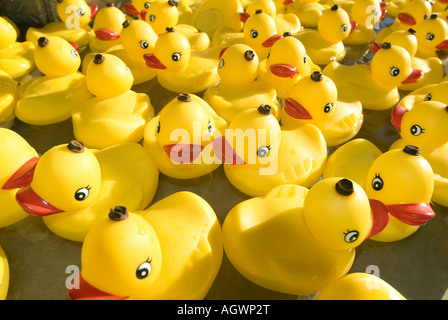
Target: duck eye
(158,127)
(428,97)
(430,36)
(377,183)
(80,12)
(416,130)
(152,17)
(254,33)
(328,107)
(74,53)
(344,28)
(394,71)
(426,16)
(221,63)
(143,270)
(351,236)
(263,151)
(144,44)
(304,59)
(209,127)
(147,4)
(82,194)
(176,56)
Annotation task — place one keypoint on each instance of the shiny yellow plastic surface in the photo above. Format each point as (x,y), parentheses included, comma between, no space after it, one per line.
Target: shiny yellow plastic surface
(365,13)
(8,33)
(4,275)
(109,19)
(162,14)
(431,33)
(8,97)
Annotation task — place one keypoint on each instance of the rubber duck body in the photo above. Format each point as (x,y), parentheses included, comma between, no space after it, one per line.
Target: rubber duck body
(412,14)
(73,185)
(8,100)
(398,210)
(375,85)
(179,69)
(180,137)
(238,88)
(338,120)
(258,154)
(314,246)
(308,12)
(149,263)
(115,114)
(432,37)
(4,275)
(50,98)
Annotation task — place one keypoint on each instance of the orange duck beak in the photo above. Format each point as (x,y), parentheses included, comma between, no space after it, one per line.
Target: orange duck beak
(33,204)
(23,176)
(296,110)
(86,291)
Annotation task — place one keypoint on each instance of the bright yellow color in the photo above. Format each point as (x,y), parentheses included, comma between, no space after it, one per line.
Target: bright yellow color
(417,9)
(8,32)
(430,34)
(8,99)
(4,275)
(359,286)
(108,18)
(291,241)
(161,15)
(308,12)
(365,13)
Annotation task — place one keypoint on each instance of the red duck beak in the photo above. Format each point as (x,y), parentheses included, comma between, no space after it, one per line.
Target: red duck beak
(442,45)
(143,14)
(224,151)
(375,46)
(183,153)
(107,35)
(286,2)
(413,77)
(443,1)
(383,6)
(153,62)
(93,11)
(244,16)
(380,215)
(129,8)
(353,25)
(414,214)
(74,45)
(284,70)
(296,110)
(22,177)
(406,18)
(397,115)
(222,52)
(33,204)
(86,291)
(271,40)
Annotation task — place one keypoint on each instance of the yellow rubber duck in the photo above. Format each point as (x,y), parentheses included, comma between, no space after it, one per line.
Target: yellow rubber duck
(50,98)
(308,11)
(73,25)
(8,99)
(18,162)
(339,120)
(4,275)
(326,43)
(259,155)
(439,5)
(394,7)
(286,64)
(432,36)
(238,88)
(179,68)
(171,251)
(16,58)
(291,241)
(359,286)
(73,186)
(139,9)
(375,85)
(399,184)
(180,138)
(115,114)
(424,126)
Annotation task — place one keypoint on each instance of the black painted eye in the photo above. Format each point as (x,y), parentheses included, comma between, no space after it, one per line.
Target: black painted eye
(416,130)
(158,127)
(221,63)
(144,44)
(351,236)
(344,28)
(82,194)
(209,127)
(426,16)
(74,53)
(377,183)
(176,56)
(328,107)
(430,36)
(152,17)
(80,12)
(143,270)
(263,151)
(304,59)
(394,71)
(147,4)
(428,97)
(254,33)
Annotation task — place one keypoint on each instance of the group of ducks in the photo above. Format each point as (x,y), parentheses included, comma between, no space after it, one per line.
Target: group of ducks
(261,87)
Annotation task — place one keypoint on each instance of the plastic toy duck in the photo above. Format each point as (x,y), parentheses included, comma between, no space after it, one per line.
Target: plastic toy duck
(338,120)
(439,5)
(432,36)
(326,43)
(16,58)
(399,184)
(115,114)
(106,29)
(18,162)
(180,137)
(73,26)
(308,11)
(73,186)
(179,68)
(259,155)
(375,85)
(286,64)
(238,88)
(50,98)
(177,238)
(8,100)
(359,286)
(291,241)
(139,9)
(4,275)
(424,126)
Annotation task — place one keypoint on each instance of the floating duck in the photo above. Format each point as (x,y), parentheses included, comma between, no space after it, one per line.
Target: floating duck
(4,275)
(291,241)
(439,5)
(180,137)
(398,209)
(308,11)
(16,58)
(432,36)
(73,26)
(50,98)
(258,154)
(435,92)
(394,7)
(326,43)
(338,120)
(115,114)
(238,88)
(285,65)
(359,286)
(137,8)
(18,161)
(73,186)
(375,85)
(176,239)
(180,69)
(8,100)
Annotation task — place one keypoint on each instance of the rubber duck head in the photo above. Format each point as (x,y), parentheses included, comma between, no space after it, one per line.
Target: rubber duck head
(238,65)
(67,178)
(414,12)
(432,34)
(438,93)
(137,38)
(334,25)
(108,23)
(77,12)
(260,30)
(423,125)
(121,256)
(108,76)
(162,14)
(319,102)
(138,8)
(402,38)
(344,221)
(267,6)
(8,34)
(367,12)
(172,51)
(56,57)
